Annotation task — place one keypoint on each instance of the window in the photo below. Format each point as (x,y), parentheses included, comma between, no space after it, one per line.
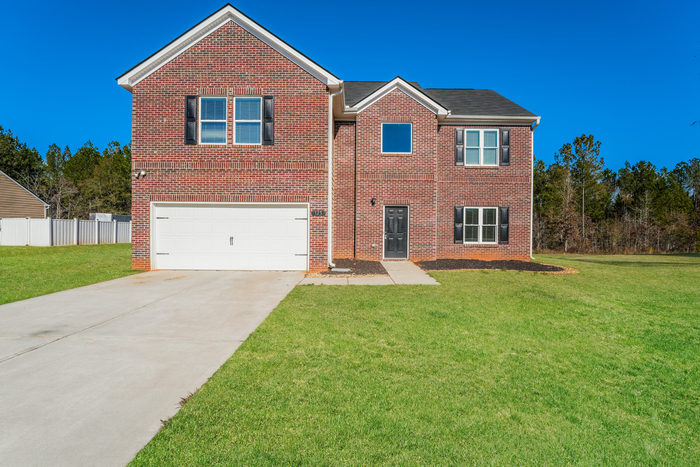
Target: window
(480,225)
(481,147)
(247,120)
(396,138)
(212,120)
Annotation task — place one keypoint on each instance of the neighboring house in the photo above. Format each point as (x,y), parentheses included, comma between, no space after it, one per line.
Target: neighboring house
(105,217)
(248,155)
(17,201)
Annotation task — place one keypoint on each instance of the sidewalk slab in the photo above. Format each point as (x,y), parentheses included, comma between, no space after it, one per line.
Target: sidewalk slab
(376,280)
(324,281)
(406,272)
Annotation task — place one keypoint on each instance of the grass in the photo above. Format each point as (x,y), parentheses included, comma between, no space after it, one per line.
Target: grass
(491,368)
(28,272)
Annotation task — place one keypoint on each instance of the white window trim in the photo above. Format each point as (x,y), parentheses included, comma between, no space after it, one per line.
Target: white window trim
(247,121)
(225,120)
(397,123)
(480,225)
(481,147)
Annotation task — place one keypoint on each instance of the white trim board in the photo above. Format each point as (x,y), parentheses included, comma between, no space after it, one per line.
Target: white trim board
(210,24)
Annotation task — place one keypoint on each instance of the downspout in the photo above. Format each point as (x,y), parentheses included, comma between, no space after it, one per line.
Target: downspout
(330,174)
(532,179)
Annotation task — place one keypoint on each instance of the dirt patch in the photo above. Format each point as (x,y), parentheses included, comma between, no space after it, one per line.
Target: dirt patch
(475,264)
(357,268)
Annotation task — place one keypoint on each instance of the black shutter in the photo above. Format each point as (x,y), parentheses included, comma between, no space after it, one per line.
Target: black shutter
(190,119)
(459,224)
(459,146)
(503,225)
(505,146)
(268,120)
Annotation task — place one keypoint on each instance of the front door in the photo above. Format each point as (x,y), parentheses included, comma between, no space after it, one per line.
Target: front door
(396,232)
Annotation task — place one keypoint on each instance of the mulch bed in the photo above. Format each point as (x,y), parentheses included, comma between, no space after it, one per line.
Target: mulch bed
(471,264)
(357,268)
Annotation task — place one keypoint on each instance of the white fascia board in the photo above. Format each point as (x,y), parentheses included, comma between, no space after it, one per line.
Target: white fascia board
(398,83)
(228,13)
(456,119)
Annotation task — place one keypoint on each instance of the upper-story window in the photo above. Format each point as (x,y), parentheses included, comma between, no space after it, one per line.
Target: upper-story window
(397,138)
(212,120)
(248,120)
(481,147)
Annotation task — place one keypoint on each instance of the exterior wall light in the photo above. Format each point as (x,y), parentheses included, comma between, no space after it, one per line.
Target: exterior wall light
(373,201)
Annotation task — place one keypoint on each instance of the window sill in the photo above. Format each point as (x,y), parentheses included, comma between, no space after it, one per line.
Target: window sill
(482,166)
(396,154)
(482,245)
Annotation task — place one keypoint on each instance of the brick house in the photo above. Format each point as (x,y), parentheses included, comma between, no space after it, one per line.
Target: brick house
(249,155)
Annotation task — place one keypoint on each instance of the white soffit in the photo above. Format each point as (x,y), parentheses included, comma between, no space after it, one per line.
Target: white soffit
(228,13)
(403,85)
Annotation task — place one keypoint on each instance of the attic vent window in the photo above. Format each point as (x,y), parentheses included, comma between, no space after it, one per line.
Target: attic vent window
(396,138)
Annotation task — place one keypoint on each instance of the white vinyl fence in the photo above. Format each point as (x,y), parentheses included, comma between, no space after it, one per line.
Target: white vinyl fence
(59,232)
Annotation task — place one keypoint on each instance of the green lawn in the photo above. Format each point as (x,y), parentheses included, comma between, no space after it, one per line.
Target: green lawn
(27,272)
(491,368)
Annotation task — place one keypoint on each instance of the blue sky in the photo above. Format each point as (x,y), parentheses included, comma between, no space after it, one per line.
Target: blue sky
(627,72)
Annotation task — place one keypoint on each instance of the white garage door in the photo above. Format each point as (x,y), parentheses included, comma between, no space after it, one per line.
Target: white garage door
(231,237)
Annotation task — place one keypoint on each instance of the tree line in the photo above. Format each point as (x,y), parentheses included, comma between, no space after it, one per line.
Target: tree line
(581,206)
(73,185)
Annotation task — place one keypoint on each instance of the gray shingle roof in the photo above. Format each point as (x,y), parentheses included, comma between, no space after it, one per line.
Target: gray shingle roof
(459,101)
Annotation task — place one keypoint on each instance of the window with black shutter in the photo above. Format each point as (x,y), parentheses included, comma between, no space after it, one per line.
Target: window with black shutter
(459,146)
(459,224)
(503,223)
(505,146)
(268,120)
(190,119)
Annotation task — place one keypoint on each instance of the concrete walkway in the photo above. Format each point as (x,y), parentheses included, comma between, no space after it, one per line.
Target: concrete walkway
(86,375)
(400,272)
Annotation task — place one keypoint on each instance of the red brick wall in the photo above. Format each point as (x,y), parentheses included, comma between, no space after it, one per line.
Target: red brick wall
(344,190)
(230,62)
(428,182)
(477,186)
(396,179)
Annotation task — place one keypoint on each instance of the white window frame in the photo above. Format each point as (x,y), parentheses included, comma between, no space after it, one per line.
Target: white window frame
(481,225)
(225,121)
(248,121)
(481,147)
(397,123)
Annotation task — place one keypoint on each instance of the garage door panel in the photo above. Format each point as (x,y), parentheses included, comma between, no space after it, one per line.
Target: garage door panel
(265,237)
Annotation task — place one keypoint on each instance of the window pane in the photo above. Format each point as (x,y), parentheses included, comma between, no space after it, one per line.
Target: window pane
(472,156)
(488,234)
(248,133)
(490,157)
(473,138)
(248,108)
(213,132)
(396,137)
(471,233)
(471,216)
(489,216)
(490,138)
(214,109)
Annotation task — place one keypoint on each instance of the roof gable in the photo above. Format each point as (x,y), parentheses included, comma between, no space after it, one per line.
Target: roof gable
(205,27)
(399,83)
(3,174)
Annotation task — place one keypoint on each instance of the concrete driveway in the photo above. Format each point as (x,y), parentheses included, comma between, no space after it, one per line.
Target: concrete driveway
(86,375)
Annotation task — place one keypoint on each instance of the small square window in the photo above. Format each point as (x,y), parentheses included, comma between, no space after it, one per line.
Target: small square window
(212,120)
(481,147)
(396,138)
(248,120)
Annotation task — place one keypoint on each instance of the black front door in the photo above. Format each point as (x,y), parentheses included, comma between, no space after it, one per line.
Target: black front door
(396,232)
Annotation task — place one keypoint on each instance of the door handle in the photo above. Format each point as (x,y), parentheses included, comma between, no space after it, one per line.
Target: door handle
(230,240)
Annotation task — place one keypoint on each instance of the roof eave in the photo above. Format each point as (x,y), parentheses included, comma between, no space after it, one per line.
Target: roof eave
(405,86)
(517,119)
